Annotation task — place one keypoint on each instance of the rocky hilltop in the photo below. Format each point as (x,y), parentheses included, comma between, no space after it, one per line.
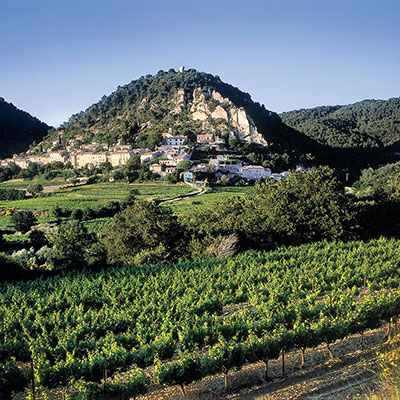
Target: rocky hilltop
(187,101)
(218,114)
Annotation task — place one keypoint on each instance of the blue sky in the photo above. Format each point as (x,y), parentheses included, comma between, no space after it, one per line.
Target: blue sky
(57,57)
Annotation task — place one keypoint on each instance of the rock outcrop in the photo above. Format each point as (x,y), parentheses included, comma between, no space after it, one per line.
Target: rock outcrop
(220,115)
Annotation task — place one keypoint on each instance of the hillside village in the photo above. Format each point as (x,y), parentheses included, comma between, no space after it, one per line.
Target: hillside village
(162,161)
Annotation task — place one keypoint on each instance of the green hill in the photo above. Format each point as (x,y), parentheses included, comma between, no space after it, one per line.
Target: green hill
(18,129)
(368,123)
(188,101)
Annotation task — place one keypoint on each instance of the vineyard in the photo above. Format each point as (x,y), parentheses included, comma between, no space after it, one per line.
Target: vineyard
(83,196)
(195,319)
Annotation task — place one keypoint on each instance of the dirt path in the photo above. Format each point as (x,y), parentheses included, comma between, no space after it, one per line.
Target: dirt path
(179,197)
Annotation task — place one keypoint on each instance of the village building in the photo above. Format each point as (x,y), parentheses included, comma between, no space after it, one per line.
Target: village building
(149,155)
(169,170)
(42,159)
(231,168)
(7,163)
(119,158)
(58,156)
(205,138)
(254,172)
(156,169)
(175,140)
(214,161)
(90,159)
(21,162)
(120,147)
(168,162)
(187,176)
(199,168)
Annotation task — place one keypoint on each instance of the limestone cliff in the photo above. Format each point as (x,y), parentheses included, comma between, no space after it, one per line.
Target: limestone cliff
(219,114)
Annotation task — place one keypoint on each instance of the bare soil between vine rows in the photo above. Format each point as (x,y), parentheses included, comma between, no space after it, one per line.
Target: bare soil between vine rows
(352,374)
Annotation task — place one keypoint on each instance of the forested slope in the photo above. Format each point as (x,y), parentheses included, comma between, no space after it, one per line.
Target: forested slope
(368,123)
(18,129)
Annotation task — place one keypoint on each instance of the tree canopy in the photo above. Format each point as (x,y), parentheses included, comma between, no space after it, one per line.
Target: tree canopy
(144,233)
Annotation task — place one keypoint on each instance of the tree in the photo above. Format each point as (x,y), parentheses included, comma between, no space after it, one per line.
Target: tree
(74,247)
(35,189)
(304,207)
(144,233)
(184,165)
(130,199)
(23,220)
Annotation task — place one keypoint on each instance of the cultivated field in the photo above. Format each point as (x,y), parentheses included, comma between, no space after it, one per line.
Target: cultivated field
(201,321)
(94,195)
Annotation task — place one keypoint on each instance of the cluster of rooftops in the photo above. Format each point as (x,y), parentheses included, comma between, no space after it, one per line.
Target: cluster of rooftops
(163,160)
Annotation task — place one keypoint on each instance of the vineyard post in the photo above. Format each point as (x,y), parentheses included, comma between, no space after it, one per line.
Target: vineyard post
(331,356)
(397,321)
(226,380)
(119,299)
(183,391)
(33,380)
(303,359)
(364,284)
(266,369)
(283,362)
(312,285)
(104,379)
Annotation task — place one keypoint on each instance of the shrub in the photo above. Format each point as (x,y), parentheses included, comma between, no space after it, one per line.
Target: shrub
(23,220)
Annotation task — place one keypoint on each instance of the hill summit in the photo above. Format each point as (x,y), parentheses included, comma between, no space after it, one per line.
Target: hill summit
(184,101)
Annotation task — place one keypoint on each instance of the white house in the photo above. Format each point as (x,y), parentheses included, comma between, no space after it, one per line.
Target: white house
(150,155)
(254,172)
(175,140)
(205,138)
(231,168)
(187,176)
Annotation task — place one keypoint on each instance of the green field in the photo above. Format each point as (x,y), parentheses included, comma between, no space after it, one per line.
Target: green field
(93,195)
(207,200)
(22,184)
